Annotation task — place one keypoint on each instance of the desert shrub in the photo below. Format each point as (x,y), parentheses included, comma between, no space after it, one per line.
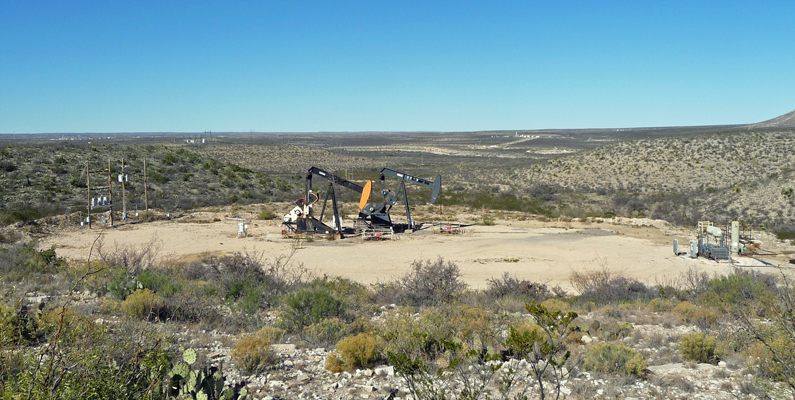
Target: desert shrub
(544,346)
(244,279)
(271,334)
(87,361)
(602,287)
(159,283)
(428,334)
(511,286)
(325,333)
(195,303)
(774,357)
(133,259)
(556,305)
(310,306)
(614,358)
(15,328)
(143,304)
(253,355)
(698,347)
(432,282)
(686,310)
(23,261)
(353,352)
(118,282)
(353,293)
(740,290)
(661,304)
(266,214)
(705,318)
(328,332)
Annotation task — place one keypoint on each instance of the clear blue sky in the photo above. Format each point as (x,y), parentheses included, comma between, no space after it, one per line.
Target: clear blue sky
(292,66)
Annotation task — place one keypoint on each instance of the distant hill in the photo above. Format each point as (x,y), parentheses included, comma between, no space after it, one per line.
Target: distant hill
(785,121)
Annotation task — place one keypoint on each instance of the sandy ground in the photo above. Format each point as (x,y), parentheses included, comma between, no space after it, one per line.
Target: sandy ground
(532,250)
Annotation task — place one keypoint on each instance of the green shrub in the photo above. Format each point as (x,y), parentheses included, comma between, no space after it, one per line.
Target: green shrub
(661,304)
(325,333)
(87,361)
(11,329)
(698,347)
(253,354)
(159,283)
(266,214)
(310,306)
(556,305)
(353,352)
(686,310)
(143,304)
(614,358)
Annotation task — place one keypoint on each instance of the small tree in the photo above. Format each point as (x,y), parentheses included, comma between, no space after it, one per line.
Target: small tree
(543,348)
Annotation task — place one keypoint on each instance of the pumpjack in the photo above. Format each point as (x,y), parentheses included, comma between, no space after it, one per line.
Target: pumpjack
(371,213)
(436,187)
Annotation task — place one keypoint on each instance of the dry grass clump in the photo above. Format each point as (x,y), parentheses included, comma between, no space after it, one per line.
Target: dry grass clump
(353,352)
(253,355)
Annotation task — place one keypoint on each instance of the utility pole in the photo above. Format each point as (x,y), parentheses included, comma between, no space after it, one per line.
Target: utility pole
(146,199)
(88,198)
(110,194)
(123,198)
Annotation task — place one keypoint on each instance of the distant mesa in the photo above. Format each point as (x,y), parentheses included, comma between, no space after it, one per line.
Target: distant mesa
(785,121)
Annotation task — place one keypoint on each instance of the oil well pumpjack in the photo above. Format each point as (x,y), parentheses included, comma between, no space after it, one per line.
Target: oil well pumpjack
(371,214)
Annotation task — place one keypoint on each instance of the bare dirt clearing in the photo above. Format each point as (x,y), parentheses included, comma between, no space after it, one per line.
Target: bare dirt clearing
(533,250)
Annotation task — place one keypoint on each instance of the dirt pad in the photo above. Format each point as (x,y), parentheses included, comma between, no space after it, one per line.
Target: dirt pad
(540,252)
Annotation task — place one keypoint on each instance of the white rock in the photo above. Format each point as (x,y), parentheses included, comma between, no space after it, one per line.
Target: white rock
(385,371)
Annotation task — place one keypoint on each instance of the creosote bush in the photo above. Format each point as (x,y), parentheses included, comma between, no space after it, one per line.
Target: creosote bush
(614,358)
(310,306)
(698,347)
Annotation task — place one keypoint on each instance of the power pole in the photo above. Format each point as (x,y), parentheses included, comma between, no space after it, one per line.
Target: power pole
(123,198)
(146,199)
(88,191)
(110,194)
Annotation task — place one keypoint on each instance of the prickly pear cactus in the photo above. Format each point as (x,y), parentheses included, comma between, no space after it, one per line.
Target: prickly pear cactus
(595,327)
(180,369)
(227,394)
(201,396)
(189,356)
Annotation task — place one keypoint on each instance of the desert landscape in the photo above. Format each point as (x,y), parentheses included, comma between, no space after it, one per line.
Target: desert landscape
(575,228)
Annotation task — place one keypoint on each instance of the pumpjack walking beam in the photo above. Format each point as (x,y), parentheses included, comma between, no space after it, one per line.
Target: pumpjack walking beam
(330,194)
(436,186)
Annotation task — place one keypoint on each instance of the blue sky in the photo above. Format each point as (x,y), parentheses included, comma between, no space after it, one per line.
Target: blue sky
(295,66)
